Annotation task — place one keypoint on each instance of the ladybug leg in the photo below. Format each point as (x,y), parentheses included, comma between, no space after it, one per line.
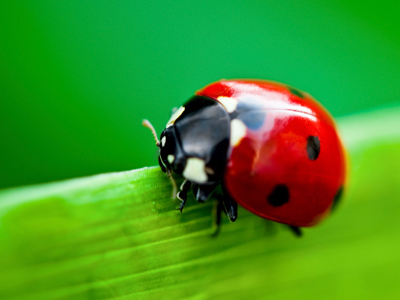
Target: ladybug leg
(227,205)
(230,207)
(220,209)
(203,191)
(182,195)
(296,230)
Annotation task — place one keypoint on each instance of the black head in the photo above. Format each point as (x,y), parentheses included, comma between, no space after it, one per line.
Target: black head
(171,154)
(195,142)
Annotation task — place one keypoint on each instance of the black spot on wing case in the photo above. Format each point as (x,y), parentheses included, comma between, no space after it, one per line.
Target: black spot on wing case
(279,196)
(313,147)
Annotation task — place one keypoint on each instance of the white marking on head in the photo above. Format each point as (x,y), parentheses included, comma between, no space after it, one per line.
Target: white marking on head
(229,103)
(163,141)
(170,158)
(195,170)
(175,115)
(238,131)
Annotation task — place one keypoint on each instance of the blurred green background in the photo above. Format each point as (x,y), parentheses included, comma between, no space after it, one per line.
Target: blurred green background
(77,77)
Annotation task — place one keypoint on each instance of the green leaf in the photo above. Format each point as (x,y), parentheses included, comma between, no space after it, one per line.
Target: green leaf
(119,236)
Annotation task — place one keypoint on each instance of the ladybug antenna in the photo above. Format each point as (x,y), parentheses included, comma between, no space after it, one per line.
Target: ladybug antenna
(146,123)
(174,187)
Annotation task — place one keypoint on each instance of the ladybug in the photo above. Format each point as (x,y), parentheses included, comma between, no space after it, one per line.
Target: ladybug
(267,146)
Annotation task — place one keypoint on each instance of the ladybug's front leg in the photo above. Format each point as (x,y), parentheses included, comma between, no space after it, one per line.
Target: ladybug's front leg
(203,191)
(227,205)
(182,195)
(200,192)
(230,206)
